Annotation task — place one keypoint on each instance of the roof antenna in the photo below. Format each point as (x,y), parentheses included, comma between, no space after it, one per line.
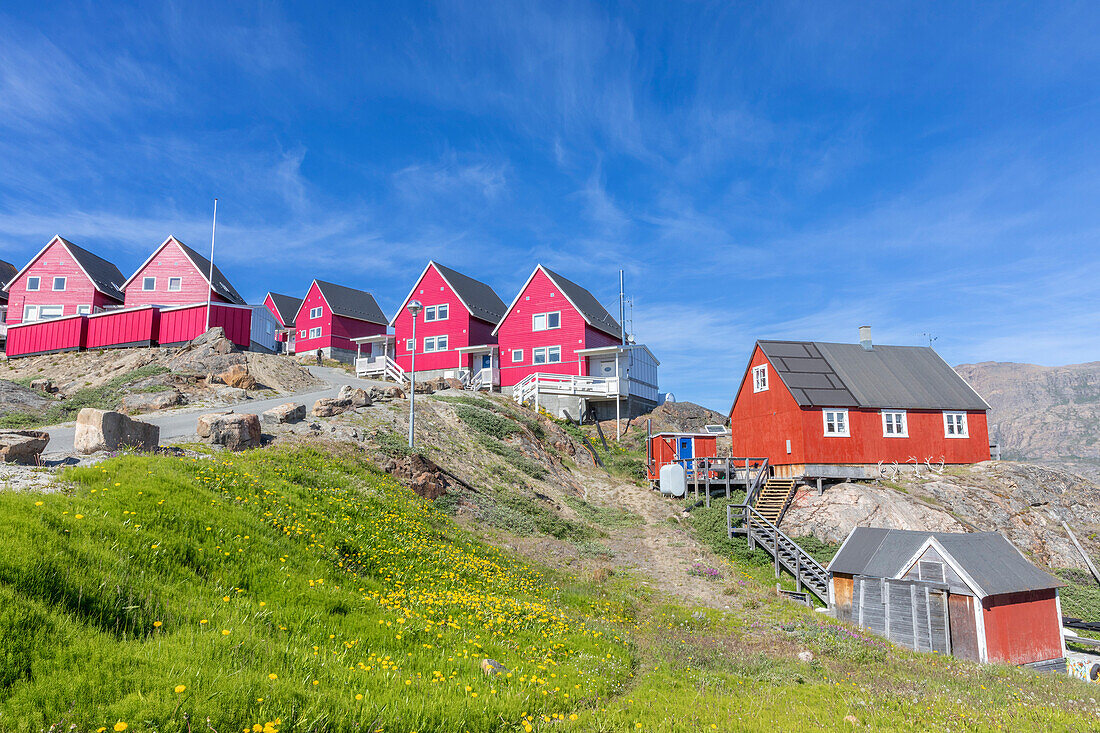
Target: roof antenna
(931,338)
(210,277)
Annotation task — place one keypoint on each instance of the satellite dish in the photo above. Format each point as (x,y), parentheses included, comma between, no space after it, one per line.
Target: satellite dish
(630,338)
(667,397)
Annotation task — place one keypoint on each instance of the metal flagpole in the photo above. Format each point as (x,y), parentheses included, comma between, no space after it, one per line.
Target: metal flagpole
(210,283)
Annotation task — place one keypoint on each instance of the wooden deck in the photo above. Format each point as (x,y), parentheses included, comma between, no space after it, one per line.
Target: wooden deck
(709,477)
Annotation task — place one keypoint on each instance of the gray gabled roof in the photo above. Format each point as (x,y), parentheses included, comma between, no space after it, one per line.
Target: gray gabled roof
(221,284)
(820,374)
(481,299)
(287,307)
(345,301)
(987,558)
(7,274)
(105,276)
(591,309)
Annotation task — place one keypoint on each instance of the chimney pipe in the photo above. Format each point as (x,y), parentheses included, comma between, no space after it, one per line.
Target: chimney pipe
(865,338)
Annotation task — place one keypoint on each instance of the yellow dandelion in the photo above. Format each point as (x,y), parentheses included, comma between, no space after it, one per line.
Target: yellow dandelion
(180,688)
(121,726)
(79,516)
(38,503)
(157,624)
(273,676)
(358,697)
(225,632)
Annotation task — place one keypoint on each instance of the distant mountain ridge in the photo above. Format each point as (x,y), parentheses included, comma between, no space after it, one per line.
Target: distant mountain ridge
(1044,413)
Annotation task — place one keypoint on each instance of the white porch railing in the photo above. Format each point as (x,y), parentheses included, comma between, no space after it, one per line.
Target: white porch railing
(564,384)
(384,366)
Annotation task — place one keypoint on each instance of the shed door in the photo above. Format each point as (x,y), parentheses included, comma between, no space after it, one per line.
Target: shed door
(685,448)
(964,631)
(486,361)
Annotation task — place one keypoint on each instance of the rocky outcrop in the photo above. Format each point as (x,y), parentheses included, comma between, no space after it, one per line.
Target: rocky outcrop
(99,430)
(17,398)
(22,446)
(233,394)
(393,393)
(329,406)
(422,475)
(43,385)
(288,413)
(238,376)
(150,401)
(236,431)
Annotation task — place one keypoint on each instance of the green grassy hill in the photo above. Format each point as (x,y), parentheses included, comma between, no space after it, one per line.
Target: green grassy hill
(303,590)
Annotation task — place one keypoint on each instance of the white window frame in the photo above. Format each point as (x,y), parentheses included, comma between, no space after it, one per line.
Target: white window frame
(437,312)
(315,332)
(899,419)
(84,310)
(760,378)
(64,283)
(949,424)
(37,283)
(60,311)
(410,345)
(177,281)
(304,333)
(435,343)
(30,313)
(847,432)
(442,343)
(316,312)
(538,356)
(145,284)
(517,356)
(545,321)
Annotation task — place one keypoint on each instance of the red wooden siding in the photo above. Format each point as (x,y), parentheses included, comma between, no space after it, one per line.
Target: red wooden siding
(129,327)
(460,328)
(178,325)
(57,334)
(336,331)
(664,449)
(169,262)
(54,261)
(761,423)
(270,305)
(1022,627)
(515,332)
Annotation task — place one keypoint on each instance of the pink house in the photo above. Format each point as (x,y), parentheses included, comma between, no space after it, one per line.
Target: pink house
(284,308)
(331,316)
(177,275)
(454,331)
(62,280)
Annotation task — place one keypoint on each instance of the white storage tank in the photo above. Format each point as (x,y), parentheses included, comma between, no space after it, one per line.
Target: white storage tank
(673,480)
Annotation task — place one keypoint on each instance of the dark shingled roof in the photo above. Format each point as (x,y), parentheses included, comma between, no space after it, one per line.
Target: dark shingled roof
(847,375)
(481,299)
(993,563)
(596,315)
(7,273)
(221,284)
(352,303)
(287,307)
(105,276)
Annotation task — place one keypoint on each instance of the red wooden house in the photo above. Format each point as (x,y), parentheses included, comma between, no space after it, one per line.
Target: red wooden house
(176,275)
(973,595)
(827,410)
(331,316)
(284,308)
(454,331)
(62,280)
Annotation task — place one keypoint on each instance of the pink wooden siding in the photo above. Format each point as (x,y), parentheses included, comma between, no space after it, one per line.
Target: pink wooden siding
(178,325)
(516,332)
(129,327)
(270,305)
(57,334)
(54,261)
(336,331)
(460,328)
(168,263)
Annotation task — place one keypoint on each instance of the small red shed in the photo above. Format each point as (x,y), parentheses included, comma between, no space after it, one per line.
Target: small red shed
(666,448)
(125,327)
(46,337)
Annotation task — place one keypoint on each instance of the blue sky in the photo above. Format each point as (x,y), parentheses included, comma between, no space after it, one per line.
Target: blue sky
(759,170)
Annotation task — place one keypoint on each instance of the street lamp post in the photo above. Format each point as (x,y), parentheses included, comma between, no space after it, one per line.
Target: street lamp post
(414,308)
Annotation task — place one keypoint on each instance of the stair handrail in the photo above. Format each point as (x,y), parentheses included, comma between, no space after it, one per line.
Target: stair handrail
(758,480)
(808,571)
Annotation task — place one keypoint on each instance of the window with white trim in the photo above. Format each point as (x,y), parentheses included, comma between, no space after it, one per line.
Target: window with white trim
(436,312)
(435,343)
(315,332)
(760,378)
(175,284)
(84,310)
(30,313)
(315,312)
(546,321)
(517,356)
(894,424)
(148,283)
(546,355)
(59,283)
(954,425)
(836,422)
(51,311)
(304,332)
(34,283)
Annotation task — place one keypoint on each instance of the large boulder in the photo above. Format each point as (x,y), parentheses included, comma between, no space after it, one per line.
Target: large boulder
(22,446)
(235,431)
(357,397)
(290,412)
(328,406)
(233,394)
(150,401)
(98,430)
(422,474)
(394,393)
(43,385)
(239,377)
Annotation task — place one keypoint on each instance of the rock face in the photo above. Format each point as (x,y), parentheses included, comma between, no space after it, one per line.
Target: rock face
(357,397)
(17,398)
(98,430)
(329,406)
(43,385)
(238,376)
(290,412)
(150,401)
(235,431)
(423,476)
(22,446)
(233,394)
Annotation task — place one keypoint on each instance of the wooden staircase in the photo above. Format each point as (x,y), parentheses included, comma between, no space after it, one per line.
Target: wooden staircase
(809,574)
(774,498)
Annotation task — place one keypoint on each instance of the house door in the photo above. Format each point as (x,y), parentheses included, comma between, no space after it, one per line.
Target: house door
(685,448)
(964,632)
(486,361)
